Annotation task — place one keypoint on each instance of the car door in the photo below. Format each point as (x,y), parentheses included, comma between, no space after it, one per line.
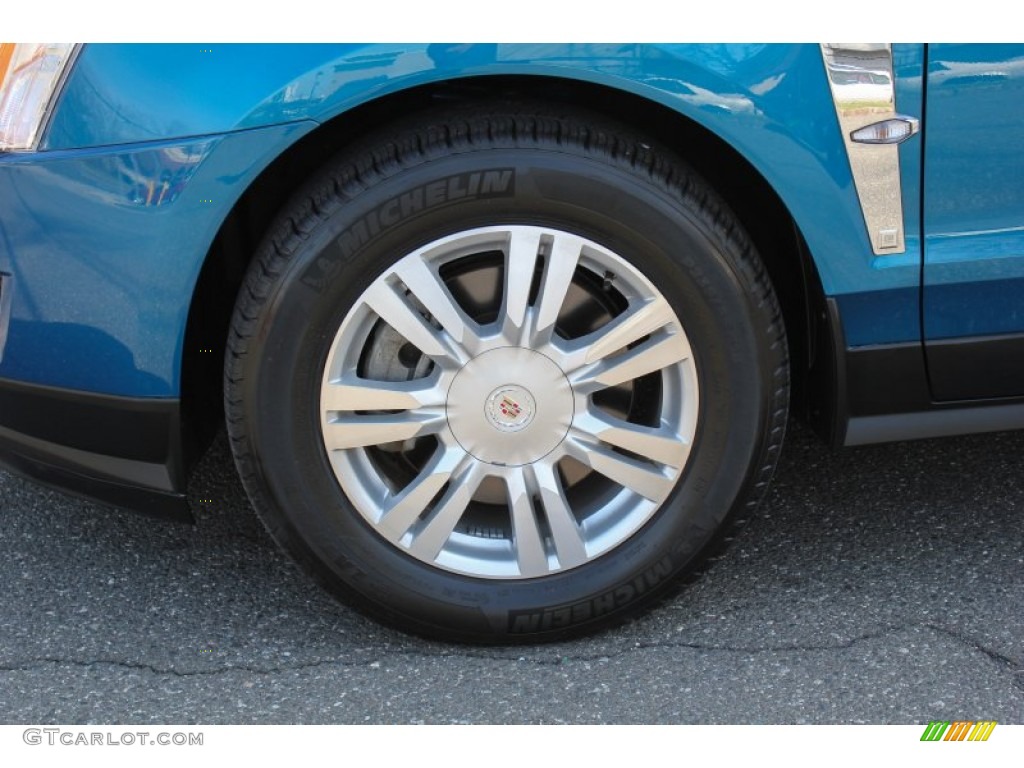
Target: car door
(973,294)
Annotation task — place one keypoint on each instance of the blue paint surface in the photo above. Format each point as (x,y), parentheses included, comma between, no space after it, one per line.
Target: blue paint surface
(104,247)
(974,198)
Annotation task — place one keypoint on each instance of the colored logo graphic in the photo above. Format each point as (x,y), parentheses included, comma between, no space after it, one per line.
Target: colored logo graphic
(958,730)
(510,409)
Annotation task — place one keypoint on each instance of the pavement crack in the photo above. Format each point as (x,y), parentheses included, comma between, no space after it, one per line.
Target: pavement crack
(380,658)
(838,645)
(37,662)
(1015,668)
(555,661)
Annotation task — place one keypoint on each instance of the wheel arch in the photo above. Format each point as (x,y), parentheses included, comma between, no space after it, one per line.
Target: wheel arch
(757,204)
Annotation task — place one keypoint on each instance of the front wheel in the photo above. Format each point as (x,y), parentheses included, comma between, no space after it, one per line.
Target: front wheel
(505,375)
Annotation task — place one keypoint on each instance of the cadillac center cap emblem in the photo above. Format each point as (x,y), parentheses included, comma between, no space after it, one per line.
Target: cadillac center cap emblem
(510,408)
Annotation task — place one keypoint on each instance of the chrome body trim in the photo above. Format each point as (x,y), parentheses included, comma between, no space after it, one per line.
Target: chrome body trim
(860,76)
(6,283)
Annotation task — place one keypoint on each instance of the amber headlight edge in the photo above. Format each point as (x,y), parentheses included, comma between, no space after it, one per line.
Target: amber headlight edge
(30,78)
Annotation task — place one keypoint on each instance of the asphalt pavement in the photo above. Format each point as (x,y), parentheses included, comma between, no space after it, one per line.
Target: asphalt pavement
(882,584)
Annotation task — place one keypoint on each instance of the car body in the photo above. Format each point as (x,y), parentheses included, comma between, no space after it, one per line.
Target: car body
(130,222)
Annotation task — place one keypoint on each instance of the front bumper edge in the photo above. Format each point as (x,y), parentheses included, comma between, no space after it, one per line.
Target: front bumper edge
(122,451)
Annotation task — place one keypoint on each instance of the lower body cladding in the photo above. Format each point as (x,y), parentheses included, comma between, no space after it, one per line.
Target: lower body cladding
(888,397)
(119,450)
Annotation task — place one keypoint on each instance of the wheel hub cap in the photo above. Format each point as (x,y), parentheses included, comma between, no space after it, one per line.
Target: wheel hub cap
(493,413)
(544,415)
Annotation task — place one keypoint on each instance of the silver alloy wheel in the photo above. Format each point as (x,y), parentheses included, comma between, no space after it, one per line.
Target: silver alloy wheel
(516,437)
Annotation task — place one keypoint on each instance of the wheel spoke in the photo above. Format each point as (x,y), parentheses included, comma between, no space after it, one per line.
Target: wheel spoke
(355,394)
(392,307)
(427,287)
(565,531)
(358,431)
(526,536)
(407,506)
(558,273)
(632,325)
(658,445)
(629,327)
(652,355)
(429,542)
(520,265)
(635,475)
